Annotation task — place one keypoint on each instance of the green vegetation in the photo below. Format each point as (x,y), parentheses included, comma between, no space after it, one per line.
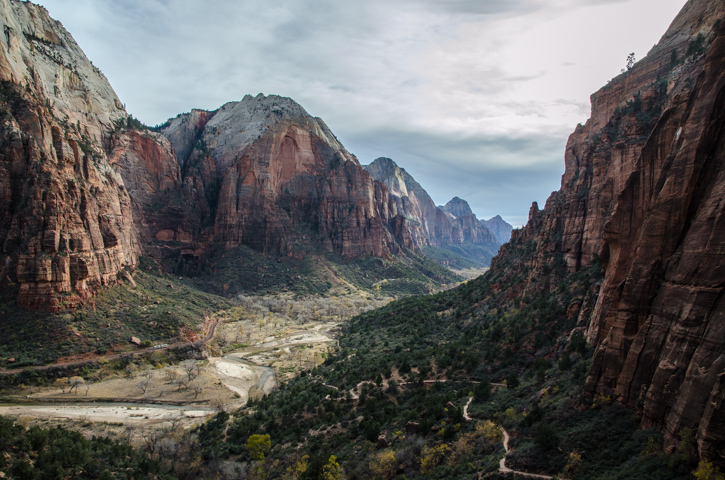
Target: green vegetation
(129,123)
(462,256)
(390,401)
(159,308)
(35,453)
(244,270)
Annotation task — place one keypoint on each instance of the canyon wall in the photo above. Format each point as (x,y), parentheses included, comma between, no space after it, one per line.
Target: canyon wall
(85,188)
(66,215)
(643,193)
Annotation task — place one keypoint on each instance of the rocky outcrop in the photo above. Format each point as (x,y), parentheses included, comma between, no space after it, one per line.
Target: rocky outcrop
(425,222)
(454,224)
(66,222)
(642,193)
(499,227)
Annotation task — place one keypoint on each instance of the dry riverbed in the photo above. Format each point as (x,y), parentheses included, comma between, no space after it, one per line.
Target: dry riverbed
(177,395)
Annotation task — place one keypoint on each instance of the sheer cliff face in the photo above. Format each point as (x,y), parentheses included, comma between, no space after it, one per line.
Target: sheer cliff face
(272,177)
(643,192)
(66,215)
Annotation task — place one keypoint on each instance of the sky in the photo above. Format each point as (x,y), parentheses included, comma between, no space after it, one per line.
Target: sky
(474,98)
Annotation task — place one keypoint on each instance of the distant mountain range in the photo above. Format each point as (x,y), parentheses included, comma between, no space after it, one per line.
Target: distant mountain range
(432,226)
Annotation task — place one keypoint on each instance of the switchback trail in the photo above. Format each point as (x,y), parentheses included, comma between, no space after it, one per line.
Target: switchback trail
(502,465)
(198,343)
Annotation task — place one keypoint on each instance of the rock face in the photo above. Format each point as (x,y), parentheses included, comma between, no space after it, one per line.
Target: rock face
(499,227)
(268,175)
(454,224)
(66,215)
(642,192)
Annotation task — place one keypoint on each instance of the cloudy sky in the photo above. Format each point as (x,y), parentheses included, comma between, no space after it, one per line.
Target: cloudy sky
(474,98)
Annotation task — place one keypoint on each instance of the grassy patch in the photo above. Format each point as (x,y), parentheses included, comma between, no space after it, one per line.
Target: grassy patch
(243,270)
(157,309)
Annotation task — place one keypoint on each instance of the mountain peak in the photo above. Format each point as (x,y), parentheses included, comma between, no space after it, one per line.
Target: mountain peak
(457,208)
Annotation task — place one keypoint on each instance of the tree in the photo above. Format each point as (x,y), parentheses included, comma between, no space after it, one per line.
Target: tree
(258,446)
(512,379)
(143,385)
(332,470)
(61,383)
(482,391)
(383,465)
(546,438)
(190,368)
(197,386)
(74,383)
(631,61)
(706,470)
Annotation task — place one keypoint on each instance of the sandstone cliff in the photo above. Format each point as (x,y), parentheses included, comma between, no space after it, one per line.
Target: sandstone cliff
(84,189)
(66,215)
(642,192)
(268,175)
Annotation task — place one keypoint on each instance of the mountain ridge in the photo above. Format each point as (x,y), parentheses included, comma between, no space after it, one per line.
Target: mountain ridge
(432,226)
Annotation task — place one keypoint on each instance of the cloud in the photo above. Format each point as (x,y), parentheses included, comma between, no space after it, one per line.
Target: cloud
(475,98)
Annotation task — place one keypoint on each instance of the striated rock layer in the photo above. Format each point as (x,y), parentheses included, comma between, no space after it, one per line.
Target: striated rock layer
(66,220)
(643,192)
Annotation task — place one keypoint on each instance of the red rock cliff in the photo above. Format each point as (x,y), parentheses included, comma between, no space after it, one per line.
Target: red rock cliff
(275,178)
(65,222)
(643,190)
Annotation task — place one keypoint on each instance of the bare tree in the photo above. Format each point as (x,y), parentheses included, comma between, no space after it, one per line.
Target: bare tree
(129,431)
(176,422)
(151,439)
(171,374)
(130,370)
(189,367)
(218,403)
(75,382)
(197,386)
(143,385)
(181,382)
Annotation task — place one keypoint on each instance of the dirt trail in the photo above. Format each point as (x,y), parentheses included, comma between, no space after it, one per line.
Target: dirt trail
(502,465)
(466,417)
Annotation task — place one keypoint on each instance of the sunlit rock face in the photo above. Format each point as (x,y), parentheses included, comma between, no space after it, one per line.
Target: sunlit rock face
(642,193)
(84,191)
(66,219)
(274,177)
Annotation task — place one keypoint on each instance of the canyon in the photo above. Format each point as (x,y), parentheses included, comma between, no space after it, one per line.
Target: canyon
(86,189)
(85,192)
